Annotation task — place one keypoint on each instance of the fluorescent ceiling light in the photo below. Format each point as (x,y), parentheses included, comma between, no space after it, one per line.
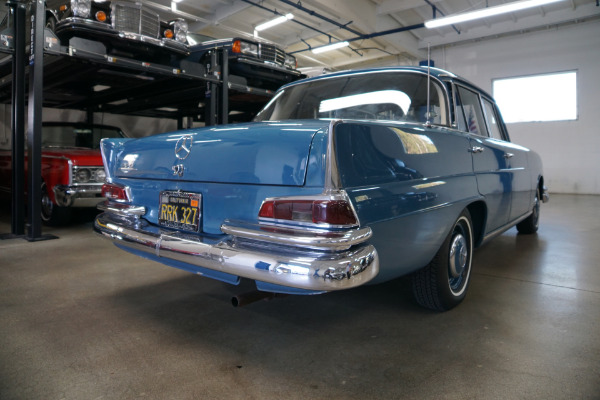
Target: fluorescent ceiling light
(486,12)
(329,47)
(273,22)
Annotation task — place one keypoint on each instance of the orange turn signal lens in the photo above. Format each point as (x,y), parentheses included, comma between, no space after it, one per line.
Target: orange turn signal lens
(168,33)
(101,16)
(63,7)
(236,47)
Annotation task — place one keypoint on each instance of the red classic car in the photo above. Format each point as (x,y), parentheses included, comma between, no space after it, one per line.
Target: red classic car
(72,170)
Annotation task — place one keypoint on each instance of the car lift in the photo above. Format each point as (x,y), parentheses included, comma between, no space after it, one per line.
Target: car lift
(147,89)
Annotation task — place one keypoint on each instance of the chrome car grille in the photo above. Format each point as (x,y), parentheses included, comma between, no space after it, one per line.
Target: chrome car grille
(271,53)
(135,18)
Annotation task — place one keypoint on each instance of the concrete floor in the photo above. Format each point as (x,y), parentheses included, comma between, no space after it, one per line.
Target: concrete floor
(81,319)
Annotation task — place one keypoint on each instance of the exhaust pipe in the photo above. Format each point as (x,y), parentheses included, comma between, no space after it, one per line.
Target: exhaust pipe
(246,298)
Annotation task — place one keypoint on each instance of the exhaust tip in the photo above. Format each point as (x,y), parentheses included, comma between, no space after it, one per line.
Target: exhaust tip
(247,298)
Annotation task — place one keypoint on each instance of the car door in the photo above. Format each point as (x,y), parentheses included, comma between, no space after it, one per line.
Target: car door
(494,178)
(516,161)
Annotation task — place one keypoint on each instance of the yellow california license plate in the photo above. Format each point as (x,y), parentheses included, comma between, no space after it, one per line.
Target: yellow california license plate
(180,210)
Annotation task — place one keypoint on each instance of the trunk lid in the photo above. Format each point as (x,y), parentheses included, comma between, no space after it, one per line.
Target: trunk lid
(266,153)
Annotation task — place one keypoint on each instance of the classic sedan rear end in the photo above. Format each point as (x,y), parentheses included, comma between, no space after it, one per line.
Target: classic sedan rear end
(267,216)
(353,178)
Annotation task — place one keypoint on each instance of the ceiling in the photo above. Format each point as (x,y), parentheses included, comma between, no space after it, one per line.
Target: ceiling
(317,22)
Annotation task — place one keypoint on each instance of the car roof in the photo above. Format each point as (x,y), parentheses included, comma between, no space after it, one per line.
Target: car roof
(435,72)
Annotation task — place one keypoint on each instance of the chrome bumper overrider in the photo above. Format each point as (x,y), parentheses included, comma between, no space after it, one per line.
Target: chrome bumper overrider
(265,256)
(545,195)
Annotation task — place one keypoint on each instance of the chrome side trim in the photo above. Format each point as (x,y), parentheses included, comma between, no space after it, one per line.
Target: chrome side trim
(303,269)
(313,239)
(504,228)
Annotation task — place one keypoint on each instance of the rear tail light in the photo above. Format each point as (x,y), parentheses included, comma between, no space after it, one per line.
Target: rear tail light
(316,211)
(113,191)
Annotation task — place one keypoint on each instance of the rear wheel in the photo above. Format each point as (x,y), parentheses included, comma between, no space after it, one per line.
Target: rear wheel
(443,283)
(530,224)
(52,214)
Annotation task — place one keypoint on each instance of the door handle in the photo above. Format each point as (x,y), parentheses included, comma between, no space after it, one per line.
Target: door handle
(476,149)
(508,155)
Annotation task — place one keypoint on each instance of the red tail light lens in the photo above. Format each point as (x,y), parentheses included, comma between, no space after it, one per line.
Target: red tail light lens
(332,212)
(115,192)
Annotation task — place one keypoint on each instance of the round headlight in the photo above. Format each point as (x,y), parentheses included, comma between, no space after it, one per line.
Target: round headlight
(100,175)
(81,8)
(83,175)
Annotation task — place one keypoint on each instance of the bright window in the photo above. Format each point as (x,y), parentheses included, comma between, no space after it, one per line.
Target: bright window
(548,97)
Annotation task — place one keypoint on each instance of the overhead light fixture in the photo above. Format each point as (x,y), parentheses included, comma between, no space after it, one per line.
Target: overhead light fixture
(274,21)
(329,47)
(486,12)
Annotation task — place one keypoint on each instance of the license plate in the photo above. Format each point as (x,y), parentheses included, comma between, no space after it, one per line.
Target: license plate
(180,210)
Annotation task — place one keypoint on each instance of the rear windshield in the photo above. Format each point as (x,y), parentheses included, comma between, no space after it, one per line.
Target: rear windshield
(397,96)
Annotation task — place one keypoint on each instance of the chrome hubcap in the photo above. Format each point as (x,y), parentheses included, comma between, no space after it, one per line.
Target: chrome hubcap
(458,256)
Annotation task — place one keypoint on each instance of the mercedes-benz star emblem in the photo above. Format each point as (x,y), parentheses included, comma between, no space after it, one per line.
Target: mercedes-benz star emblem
(183,147)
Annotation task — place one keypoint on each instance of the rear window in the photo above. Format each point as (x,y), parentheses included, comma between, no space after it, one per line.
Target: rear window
(394,96)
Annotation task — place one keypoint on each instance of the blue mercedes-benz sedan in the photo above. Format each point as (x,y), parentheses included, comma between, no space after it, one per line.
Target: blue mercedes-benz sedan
(342,180)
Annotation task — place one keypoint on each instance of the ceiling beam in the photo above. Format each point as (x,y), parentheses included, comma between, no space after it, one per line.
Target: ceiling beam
(395,6)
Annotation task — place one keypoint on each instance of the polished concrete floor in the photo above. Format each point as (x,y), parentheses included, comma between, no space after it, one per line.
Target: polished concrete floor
(80,319)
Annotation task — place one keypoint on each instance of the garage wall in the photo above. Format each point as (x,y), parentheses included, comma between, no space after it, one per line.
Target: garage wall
(132,126)
(570,150)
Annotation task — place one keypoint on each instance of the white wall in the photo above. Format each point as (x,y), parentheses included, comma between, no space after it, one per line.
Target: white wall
(570,150)
(132,126)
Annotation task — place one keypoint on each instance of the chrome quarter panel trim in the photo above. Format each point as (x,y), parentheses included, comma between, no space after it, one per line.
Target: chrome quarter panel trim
(332,175)
(324,240)
(306,269)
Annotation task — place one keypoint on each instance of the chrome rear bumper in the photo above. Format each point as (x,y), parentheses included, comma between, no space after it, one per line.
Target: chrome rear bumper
(280,259)
(78,195)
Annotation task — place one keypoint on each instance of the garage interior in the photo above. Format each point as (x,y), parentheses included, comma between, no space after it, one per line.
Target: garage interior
(83,320)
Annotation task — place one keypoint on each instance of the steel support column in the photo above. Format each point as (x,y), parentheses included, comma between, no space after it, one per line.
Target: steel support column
(211,94)
(18,122)
(224,109)
(34,129)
